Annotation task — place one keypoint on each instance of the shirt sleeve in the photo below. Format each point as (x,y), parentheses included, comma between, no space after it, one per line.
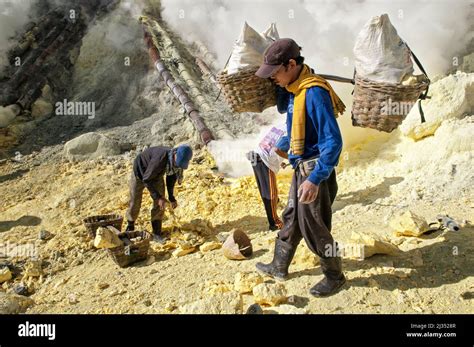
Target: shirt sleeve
(283,144)
(170,182)
(329,134)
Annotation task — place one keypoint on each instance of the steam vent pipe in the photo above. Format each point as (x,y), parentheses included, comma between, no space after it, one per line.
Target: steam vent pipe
(204,132)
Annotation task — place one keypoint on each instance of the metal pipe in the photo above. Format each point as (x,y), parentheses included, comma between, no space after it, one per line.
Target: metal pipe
(193,114)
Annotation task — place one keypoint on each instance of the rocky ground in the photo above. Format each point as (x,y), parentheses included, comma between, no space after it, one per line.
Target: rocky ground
(431,273)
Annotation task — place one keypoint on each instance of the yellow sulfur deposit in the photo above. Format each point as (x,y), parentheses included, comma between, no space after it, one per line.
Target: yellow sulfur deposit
(209,203)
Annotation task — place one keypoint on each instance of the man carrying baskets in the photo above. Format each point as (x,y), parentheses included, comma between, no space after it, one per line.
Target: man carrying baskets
(315,147)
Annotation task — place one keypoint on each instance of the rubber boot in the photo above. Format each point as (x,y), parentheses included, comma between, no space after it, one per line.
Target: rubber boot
(157,232)
(130,226)
(333,279)
(282,257)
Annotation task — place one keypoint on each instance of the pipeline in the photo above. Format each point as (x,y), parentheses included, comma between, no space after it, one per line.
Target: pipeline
(193,113)
(208,57)
(206,71)
(156,30)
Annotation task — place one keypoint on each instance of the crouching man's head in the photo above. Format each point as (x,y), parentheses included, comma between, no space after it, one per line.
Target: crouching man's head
(182,156)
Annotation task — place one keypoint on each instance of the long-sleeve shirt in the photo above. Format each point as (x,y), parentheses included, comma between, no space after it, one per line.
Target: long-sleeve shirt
(150,166)
(283,144)
(322,135)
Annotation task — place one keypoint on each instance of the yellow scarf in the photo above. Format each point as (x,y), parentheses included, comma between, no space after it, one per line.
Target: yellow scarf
(298,88)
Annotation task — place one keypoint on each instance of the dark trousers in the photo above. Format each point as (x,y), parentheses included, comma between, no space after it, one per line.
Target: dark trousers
(268,188)
(136,194)
(310,221)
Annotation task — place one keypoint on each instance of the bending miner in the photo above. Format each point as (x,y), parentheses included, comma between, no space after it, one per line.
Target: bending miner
(149,171)
(315,147)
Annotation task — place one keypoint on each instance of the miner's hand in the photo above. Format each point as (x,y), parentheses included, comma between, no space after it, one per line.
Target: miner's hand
(174,204)
(307,192)
(162,203)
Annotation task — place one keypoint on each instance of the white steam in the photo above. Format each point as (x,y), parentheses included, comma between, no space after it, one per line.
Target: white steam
(326,29)
(230,154)
(13,15)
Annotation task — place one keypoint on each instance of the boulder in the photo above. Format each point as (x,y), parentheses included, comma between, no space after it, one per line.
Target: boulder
(13,304)
(245,281)
(363,246)
(106,238)
(409,224)
(225,303)
(41,108)
(451,97)
(90,146)
(270,294)
(8,114)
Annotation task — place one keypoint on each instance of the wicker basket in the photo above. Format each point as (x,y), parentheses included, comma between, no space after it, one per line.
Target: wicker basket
(245,92)
(94,222)
(134,252)
(383,106)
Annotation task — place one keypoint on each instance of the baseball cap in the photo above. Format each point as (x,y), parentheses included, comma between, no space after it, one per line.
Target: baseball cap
(277,54)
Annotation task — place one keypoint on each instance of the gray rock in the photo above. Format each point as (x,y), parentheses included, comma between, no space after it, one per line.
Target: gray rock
(20,289)
(45,235)
(254,309)
(90,146)
(8,114)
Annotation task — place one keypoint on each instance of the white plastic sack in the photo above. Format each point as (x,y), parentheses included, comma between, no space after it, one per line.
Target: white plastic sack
(380,54)
(249,48)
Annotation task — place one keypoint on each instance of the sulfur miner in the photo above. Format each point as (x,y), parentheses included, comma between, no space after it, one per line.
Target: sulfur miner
(149,171)
(315,147)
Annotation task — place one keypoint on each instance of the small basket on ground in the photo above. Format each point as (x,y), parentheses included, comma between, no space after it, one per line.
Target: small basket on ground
(135,248)
(94,222)
(384,106)
(245,92)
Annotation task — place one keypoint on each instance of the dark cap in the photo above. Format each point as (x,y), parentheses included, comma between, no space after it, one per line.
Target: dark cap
(277,54)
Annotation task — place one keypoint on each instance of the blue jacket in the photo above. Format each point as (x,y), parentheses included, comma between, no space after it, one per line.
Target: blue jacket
(322,135)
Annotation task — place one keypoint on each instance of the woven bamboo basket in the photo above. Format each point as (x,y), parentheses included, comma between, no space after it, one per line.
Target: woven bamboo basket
(245,92)
(133,252)
(94,222)
(373,105)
